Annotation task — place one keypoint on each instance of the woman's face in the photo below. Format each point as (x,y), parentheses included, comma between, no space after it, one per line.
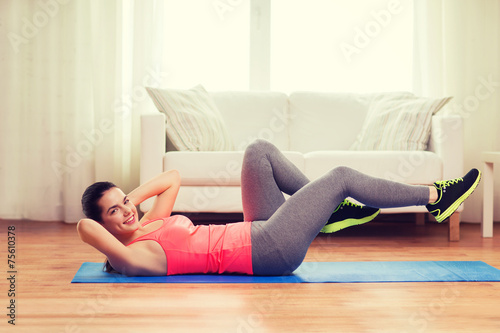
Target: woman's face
(118,213)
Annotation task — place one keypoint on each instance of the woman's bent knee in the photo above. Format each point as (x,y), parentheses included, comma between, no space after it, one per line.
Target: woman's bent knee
(342,172)
(259,147)
(260,144)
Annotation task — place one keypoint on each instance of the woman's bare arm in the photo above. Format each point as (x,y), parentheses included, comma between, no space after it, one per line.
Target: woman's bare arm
(124,259)
(165,186)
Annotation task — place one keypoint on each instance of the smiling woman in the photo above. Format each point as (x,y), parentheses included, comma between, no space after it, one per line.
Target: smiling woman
(112,223)
(276,232)
(117,212)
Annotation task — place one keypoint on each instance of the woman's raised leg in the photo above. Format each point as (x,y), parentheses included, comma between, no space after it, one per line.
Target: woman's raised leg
(266,173)
(280,244)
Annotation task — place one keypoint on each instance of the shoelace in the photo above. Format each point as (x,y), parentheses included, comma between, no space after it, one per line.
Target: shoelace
(349,203)
(445,183)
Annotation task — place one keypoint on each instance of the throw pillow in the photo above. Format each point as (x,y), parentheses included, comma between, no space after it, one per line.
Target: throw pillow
(398,121)
(193,121)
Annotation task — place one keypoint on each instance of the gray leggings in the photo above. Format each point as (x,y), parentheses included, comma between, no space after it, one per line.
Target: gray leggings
(283,230)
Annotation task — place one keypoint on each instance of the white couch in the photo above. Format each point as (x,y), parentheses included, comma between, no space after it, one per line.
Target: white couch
(315,130)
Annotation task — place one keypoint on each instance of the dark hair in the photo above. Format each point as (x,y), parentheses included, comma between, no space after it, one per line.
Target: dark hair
(91,197)
(92,210)
(108,268)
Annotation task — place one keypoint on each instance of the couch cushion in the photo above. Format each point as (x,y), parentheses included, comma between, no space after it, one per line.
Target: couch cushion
(254,114)
(325,121)
(416,167)
(398,121)
(193,121)
(211,199)
(213,168)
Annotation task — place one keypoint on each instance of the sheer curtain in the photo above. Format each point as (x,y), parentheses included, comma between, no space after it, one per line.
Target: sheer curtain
(72,73)
(456,53)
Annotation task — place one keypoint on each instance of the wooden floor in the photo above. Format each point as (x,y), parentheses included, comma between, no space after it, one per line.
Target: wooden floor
(49,254)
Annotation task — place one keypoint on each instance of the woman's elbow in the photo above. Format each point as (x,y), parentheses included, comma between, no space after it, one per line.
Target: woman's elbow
(81,228)
(175,175)
(84,227)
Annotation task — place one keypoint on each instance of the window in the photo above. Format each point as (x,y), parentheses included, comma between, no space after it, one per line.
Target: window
(206,42)
(290,45)
(341,45)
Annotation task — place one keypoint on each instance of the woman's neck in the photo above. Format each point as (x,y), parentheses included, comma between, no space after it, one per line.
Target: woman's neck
(151,226)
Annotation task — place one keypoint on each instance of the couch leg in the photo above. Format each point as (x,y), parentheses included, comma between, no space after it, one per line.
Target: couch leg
(420,218)
(454,225)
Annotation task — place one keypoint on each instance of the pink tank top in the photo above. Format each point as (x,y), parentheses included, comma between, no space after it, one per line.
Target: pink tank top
(203,249)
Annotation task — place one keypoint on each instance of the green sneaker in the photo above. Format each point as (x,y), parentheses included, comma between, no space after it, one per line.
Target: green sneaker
(451,194)
(348,214)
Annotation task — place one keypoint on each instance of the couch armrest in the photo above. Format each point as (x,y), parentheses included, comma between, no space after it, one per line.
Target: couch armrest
(153,141)
(447,140)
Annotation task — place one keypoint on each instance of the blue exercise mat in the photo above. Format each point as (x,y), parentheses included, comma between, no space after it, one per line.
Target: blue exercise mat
(321,272)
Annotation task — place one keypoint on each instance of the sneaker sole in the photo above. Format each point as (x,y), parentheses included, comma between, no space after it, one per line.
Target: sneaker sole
(453,207)
(334,227)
